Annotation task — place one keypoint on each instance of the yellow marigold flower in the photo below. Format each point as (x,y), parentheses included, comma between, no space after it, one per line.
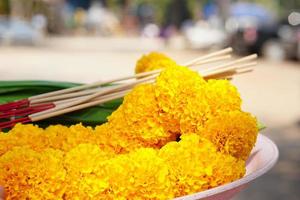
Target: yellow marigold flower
(66,138)
(153,61)
(85,158)
(27,174)
(82,164)
(23,135)
(175,88)
(222,96)
(7,142)
(194,115)
(175,85)
(135,123)
(140,174)
(141,113)
(196,165)
(232,132)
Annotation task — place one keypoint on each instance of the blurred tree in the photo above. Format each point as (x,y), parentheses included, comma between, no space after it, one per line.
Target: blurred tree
(287,6)
(4,7)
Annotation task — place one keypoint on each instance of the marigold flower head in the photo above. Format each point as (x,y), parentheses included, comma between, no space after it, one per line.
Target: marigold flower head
(222,96)
(23,135)
(140,174)
(196,165)
(27,174)
(66,138)
(82,164)
(232,132)
(136,122)
(84,158)
(153,61)
(177,88)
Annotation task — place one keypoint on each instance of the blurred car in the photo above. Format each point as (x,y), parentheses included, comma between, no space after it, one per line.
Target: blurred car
(252,29)
(249,27)
(289,35)
(278,42)
(287,42)
(19,32)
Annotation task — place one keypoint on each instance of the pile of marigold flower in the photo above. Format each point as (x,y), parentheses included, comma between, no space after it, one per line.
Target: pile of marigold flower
(175,137)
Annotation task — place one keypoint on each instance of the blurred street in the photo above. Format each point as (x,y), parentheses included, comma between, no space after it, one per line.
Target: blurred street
(271,92)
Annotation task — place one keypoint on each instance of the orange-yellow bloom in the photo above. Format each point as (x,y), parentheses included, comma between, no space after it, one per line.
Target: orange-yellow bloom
(222,96)
(153,61)
(232,132)
(27,174)
(196,165)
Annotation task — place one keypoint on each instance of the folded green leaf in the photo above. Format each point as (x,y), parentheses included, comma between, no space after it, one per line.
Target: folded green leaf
(33,83)
(37,87)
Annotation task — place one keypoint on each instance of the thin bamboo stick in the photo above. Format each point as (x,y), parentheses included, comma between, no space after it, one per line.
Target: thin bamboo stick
(211,60)
(97,94)
(222,67)
(70,95)
(227,68)
(106,98)
(210,55)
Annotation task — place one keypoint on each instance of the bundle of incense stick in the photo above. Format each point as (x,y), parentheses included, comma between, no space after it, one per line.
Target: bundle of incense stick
(59,102)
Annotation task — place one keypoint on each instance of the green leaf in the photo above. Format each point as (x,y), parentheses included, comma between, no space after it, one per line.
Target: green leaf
(7,87)
(260,126)
(32,83)
(88,116)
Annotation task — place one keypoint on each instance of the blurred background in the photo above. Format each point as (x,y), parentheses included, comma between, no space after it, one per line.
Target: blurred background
(88,40)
